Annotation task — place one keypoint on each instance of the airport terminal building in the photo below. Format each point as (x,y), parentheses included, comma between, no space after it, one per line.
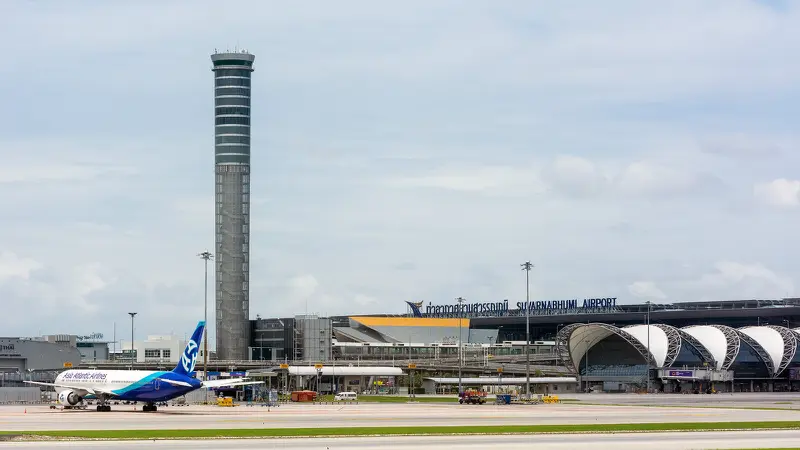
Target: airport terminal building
(739,345)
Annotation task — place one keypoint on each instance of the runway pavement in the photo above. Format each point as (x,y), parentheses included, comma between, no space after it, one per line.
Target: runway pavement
(415,414)
(786,400)
(651,441)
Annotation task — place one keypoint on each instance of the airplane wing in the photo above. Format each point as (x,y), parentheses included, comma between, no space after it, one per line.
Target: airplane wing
(229,382)
(94,390)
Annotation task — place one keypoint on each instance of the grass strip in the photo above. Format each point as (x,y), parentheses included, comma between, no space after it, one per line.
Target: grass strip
(407,431)
(645,405)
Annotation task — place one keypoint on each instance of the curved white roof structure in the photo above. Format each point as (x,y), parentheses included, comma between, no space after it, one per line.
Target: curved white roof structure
(585,337)
(712,338)
(717,344)
(582,337)
(770,340)
(658,342)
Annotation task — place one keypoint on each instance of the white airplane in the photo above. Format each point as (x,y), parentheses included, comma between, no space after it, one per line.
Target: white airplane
(145,386)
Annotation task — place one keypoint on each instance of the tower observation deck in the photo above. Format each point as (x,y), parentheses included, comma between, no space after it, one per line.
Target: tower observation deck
(232,72)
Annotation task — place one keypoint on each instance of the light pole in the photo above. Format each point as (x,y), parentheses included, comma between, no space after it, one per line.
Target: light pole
(526,266)
(206,255)
(586,371)
(460,300)
(132,314)
(648,346)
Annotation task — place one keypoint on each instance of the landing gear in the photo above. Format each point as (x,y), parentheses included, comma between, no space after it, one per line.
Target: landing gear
(149,408)
(102,404)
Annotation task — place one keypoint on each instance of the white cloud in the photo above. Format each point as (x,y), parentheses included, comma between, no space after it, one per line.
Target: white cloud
(571,175)
(779,192)
(58,173)
(646,289)
(576,175)
(12,266)
(733,280)
(747,146)
(645,178)
(303,287)
(47,289)
(509,180)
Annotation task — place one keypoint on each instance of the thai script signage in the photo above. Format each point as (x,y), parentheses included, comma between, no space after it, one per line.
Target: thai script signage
(9,351)
(496,309)
(469,308)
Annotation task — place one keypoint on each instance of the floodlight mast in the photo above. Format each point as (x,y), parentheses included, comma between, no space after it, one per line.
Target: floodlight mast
(460,301)
(527,266)
(206,256)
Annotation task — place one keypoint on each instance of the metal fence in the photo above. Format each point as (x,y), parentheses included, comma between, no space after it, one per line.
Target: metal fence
(16,395)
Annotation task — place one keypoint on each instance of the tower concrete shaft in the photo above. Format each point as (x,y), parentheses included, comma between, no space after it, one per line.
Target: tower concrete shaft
(232,74)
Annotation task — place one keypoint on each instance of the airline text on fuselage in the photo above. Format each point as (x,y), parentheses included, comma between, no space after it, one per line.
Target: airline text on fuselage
(92,376)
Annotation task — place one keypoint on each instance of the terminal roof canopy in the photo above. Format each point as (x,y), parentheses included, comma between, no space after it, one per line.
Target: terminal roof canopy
(770,340)
(775,346)
(713,339)
(657,341)
(583,338)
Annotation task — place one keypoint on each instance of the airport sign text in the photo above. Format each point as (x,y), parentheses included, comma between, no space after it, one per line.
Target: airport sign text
(538,307)
(588,303)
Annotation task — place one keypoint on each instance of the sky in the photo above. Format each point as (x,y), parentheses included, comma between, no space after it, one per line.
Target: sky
(416,150)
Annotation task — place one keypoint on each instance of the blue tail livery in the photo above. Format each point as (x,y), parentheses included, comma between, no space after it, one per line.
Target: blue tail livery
(189,357)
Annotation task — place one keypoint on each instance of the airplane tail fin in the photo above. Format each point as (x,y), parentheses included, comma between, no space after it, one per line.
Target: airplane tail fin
(189,357)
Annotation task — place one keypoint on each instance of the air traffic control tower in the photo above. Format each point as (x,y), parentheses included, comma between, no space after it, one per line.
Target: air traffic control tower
(232,72)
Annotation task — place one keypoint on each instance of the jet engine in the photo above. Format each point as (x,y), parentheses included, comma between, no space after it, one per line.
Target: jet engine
(69,398)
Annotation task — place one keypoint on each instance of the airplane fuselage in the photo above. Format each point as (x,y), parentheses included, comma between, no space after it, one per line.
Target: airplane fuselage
(132,385)
(137,385)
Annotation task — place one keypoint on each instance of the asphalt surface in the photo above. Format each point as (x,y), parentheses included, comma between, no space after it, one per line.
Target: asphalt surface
(651,441)
(787,400)
(19,418)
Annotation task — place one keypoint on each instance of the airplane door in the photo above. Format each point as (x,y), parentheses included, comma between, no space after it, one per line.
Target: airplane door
(157,384)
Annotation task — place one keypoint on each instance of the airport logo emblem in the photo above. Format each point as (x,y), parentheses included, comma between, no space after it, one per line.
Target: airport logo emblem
(415,308)
(189,357)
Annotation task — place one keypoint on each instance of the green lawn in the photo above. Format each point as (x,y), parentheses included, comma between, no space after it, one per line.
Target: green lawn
(396,431)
